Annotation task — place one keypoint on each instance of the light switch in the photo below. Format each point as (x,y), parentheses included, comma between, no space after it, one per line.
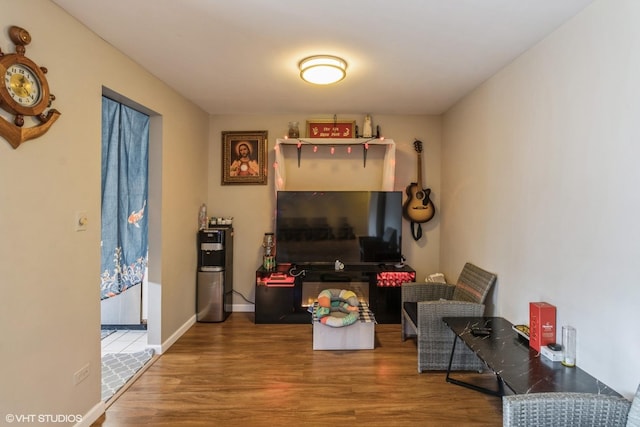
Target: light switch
(81,220)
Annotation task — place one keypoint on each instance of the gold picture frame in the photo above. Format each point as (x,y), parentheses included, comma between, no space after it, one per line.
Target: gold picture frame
(244,157)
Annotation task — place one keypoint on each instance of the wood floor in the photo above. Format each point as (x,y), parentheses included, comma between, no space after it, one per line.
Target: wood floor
(237,373)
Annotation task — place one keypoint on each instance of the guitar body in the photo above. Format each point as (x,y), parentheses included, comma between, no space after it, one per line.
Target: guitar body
(418,207)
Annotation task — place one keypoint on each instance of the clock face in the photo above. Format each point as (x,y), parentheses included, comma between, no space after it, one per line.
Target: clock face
(23,85)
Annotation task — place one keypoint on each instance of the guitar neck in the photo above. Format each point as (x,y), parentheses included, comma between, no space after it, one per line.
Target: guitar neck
(420,170)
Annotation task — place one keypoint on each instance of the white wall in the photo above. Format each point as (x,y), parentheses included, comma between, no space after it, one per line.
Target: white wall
(49,273)
(540,185)
(253,206)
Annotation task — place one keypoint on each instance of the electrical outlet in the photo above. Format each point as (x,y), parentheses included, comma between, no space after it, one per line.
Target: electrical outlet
(81,374)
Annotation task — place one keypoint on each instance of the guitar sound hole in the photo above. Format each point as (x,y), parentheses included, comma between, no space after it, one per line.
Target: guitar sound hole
(420,195)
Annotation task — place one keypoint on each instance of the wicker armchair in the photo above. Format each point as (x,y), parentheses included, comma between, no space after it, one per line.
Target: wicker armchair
(425,304)
(570,409)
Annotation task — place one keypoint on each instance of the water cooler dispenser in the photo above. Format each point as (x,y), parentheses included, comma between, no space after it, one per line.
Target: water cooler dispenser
(215,274)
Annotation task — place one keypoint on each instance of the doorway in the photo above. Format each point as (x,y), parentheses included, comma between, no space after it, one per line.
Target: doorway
(124,227)
(145,299)
(151,289)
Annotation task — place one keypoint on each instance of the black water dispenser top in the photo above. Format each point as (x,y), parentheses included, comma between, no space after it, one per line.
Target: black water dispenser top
(211,253)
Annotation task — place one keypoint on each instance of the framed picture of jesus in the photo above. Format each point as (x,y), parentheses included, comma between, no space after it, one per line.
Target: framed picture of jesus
(244,157)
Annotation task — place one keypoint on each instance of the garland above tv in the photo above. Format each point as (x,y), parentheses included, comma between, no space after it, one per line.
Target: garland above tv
(388,173)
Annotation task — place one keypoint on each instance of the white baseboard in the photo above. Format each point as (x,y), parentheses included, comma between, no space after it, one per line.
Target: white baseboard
(93,414)
(245,308)
(159,349)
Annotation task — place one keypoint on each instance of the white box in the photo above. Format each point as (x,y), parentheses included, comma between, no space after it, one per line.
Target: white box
(554,356)
(359,336)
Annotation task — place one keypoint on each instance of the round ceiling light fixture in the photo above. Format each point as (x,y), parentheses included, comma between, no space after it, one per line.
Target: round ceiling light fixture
(323,69)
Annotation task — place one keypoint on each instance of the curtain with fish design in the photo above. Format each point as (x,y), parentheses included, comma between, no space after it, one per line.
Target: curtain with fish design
(125,148)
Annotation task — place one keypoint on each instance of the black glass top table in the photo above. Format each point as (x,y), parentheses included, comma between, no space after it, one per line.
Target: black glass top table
(516,365)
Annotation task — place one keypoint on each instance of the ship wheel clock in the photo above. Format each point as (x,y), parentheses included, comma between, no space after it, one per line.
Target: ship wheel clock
(24,92)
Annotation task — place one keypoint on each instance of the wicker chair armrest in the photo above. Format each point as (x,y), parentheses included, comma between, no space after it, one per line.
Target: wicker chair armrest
(415,291)
(564,409)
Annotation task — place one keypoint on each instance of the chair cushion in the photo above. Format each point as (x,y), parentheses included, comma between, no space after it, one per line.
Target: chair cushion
(473,284)
(466,292)
(411,308)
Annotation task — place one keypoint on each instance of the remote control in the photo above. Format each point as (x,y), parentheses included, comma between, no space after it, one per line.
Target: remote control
(554,346)
(481,332)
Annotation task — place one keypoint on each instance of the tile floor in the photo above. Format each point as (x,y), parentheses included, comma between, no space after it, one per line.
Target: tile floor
(125,341)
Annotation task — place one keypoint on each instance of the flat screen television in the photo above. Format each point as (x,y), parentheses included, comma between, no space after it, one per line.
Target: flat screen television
(354,227)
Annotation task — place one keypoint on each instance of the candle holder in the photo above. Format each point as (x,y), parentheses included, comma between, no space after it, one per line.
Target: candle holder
(569,346)
(294,130)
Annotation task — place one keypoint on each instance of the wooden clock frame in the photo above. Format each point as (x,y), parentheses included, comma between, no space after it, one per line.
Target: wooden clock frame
(16,133)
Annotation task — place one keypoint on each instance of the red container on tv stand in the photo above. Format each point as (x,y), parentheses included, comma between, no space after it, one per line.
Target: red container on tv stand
(542,324)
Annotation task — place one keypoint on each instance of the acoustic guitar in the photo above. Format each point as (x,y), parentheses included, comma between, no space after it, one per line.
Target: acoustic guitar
(418,208)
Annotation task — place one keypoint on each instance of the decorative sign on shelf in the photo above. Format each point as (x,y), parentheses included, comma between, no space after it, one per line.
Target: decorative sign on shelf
(330,129)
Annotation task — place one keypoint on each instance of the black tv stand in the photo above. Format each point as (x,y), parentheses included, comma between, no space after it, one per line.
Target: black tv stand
(279,293)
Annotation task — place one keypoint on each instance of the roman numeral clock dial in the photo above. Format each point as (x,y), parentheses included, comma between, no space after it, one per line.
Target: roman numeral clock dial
(24,92)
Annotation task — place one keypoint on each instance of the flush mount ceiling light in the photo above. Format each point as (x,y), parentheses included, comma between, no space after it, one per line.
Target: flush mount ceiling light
(323,69)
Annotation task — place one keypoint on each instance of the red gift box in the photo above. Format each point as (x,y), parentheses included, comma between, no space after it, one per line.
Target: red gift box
(542,324)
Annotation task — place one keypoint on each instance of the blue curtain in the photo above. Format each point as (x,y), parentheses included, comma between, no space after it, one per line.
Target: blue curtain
(125,148)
